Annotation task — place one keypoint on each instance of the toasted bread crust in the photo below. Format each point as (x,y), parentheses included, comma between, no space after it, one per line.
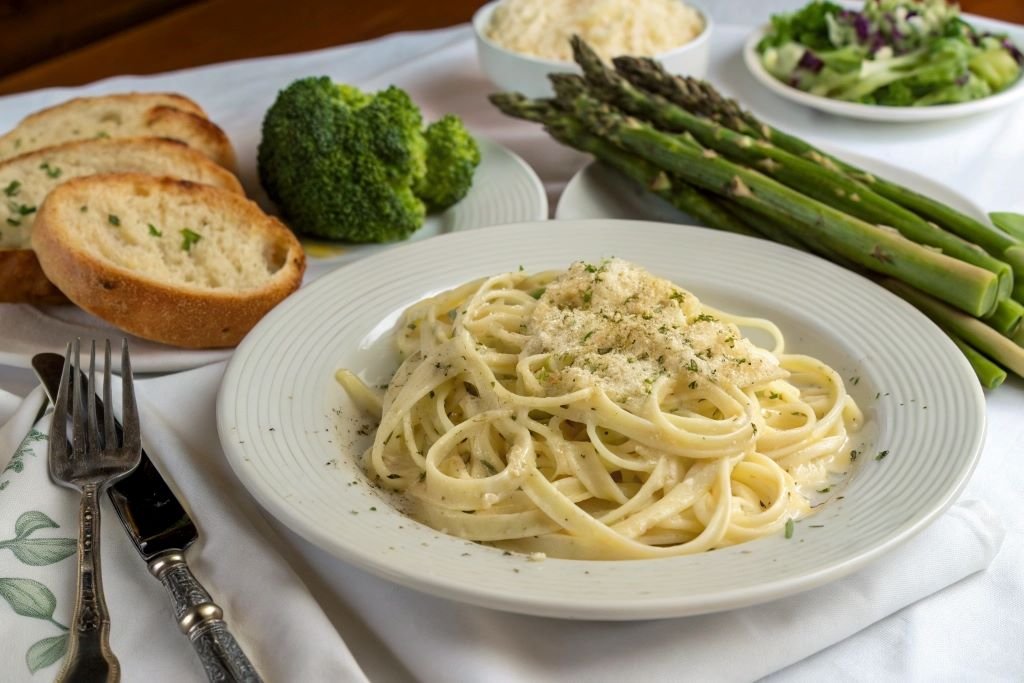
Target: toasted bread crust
(185,316)
(201,133)
(22,280)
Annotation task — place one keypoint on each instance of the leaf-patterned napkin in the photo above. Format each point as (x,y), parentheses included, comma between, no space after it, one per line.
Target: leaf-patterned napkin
(39,547)
(269,610)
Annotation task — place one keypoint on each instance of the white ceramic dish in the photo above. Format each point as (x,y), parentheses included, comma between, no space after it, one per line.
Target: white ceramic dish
(597,191)
(528,75)
(291,434)
(505,189)
(872,112)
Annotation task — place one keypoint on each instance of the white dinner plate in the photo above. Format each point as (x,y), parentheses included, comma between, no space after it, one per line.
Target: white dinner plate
(598,191)
(292,435)
(874,112)
(505,190)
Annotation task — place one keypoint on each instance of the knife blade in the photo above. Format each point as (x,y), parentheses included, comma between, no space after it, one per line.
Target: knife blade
(161,531)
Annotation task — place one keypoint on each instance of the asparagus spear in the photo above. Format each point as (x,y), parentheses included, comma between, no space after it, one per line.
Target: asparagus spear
(1010,223)
(989,374)
(884,251)
(825,184)
(700,97)
(567,130)
(970,330)
(1006,318)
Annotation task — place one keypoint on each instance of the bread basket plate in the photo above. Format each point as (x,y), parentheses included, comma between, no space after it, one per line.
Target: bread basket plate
(874,112)
(292,434)
(505,190)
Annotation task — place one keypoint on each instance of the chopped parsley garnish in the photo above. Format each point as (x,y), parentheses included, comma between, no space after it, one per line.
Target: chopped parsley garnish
(13,222)
(881,454)
(588,295)
(83,208)
(693,384)
(12,188)
(189,237)
(789,528)
(825,490)
(588,335)
(705,318)
(692,365)
(538,293)
(677,296)
(153,231)
(775,395)
(113,220)
(23,209)
(52,171)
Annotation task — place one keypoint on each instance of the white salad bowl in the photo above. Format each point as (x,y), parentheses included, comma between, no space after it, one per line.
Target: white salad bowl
(526,74)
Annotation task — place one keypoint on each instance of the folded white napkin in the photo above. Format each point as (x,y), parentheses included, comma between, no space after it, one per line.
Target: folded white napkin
(271,613)
(436,639)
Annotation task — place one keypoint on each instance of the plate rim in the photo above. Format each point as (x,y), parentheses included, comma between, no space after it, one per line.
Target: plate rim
(632,608)
(872,112)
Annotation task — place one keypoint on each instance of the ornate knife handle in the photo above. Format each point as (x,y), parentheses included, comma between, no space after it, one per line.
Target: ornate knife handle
(89,655)
(202,621)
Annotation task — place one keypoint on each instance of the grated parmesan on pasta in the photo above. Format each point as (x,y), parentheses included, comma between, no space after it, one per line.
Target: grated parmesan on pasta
(542,28)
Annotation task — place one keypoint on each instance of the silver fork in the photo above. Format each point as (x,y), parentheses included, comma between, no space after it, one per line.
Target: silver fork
(90,466)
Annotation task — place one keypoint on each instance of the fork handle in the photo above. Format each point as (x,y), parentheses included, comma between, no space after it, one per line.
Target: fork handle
(89,657)
(202,621)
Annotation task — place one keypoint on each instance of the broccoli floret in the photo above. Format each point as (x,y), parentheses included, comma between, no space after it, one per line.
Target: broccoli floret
(996,66)
(452,156)
(343,164)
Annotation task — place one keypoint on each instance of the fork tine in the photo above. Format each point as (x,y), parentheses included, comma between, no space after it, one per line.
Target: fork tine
(109,435)
(58,445)
(94,430)
(132,441)
(78,445)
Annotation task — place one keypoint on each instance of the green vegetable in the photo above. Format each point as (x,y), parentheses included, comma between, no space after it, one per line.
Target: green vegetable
(1010,223)
(452,157)
(343,164)
(189,238)
(113,220)
(829,185)
(12,188)
(890,52)
(989,374)
(871,247)
(699,97)
(153,231)
(973,332)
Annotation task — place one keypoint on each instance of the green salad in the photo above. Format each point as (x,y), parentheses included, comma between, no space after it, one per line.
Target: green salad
(897,53)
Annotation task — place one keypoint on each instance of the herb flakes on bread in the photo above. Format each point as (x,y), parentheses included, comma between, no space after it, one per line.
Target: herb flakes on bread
(169,260)
(26,180)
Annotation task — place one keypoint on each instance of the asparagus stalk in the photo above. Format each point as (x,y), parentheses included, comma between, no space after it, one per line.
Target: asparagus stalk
(825,184)
(970,330)
(884,251)
(1010,223)
(570,132)
(701,98)
(989,374)
(774,230)
(1006,318)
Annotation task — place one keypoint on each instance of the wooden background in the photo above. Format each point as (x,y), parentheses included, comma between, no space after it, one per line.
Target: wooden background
(70,42)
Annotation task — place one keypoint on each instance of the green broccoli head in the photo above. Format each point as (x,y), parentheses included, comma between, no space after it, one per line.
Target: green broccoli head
(343,164)
(452,157)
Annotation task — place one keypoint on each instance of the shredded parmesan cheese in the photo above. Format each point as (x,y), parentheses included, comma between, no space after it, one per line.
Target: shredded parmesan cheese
(615,326)
(542,28)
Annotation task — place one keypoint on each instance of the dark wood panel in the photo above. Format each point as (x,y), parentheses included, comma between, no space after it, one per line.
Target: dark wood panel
(37,30)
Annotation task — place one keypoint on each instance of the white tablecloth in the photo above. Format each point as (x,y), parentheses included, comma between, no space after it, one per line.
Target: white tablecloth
(970,630)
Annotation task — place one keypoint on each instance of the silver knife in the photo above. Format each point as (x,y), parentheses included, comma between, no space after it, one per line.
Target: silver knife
(161,531)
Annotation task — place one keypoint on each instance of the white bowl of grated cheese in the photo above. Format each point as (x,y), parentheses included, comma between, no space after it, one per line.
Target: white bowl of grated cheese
(520,42)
